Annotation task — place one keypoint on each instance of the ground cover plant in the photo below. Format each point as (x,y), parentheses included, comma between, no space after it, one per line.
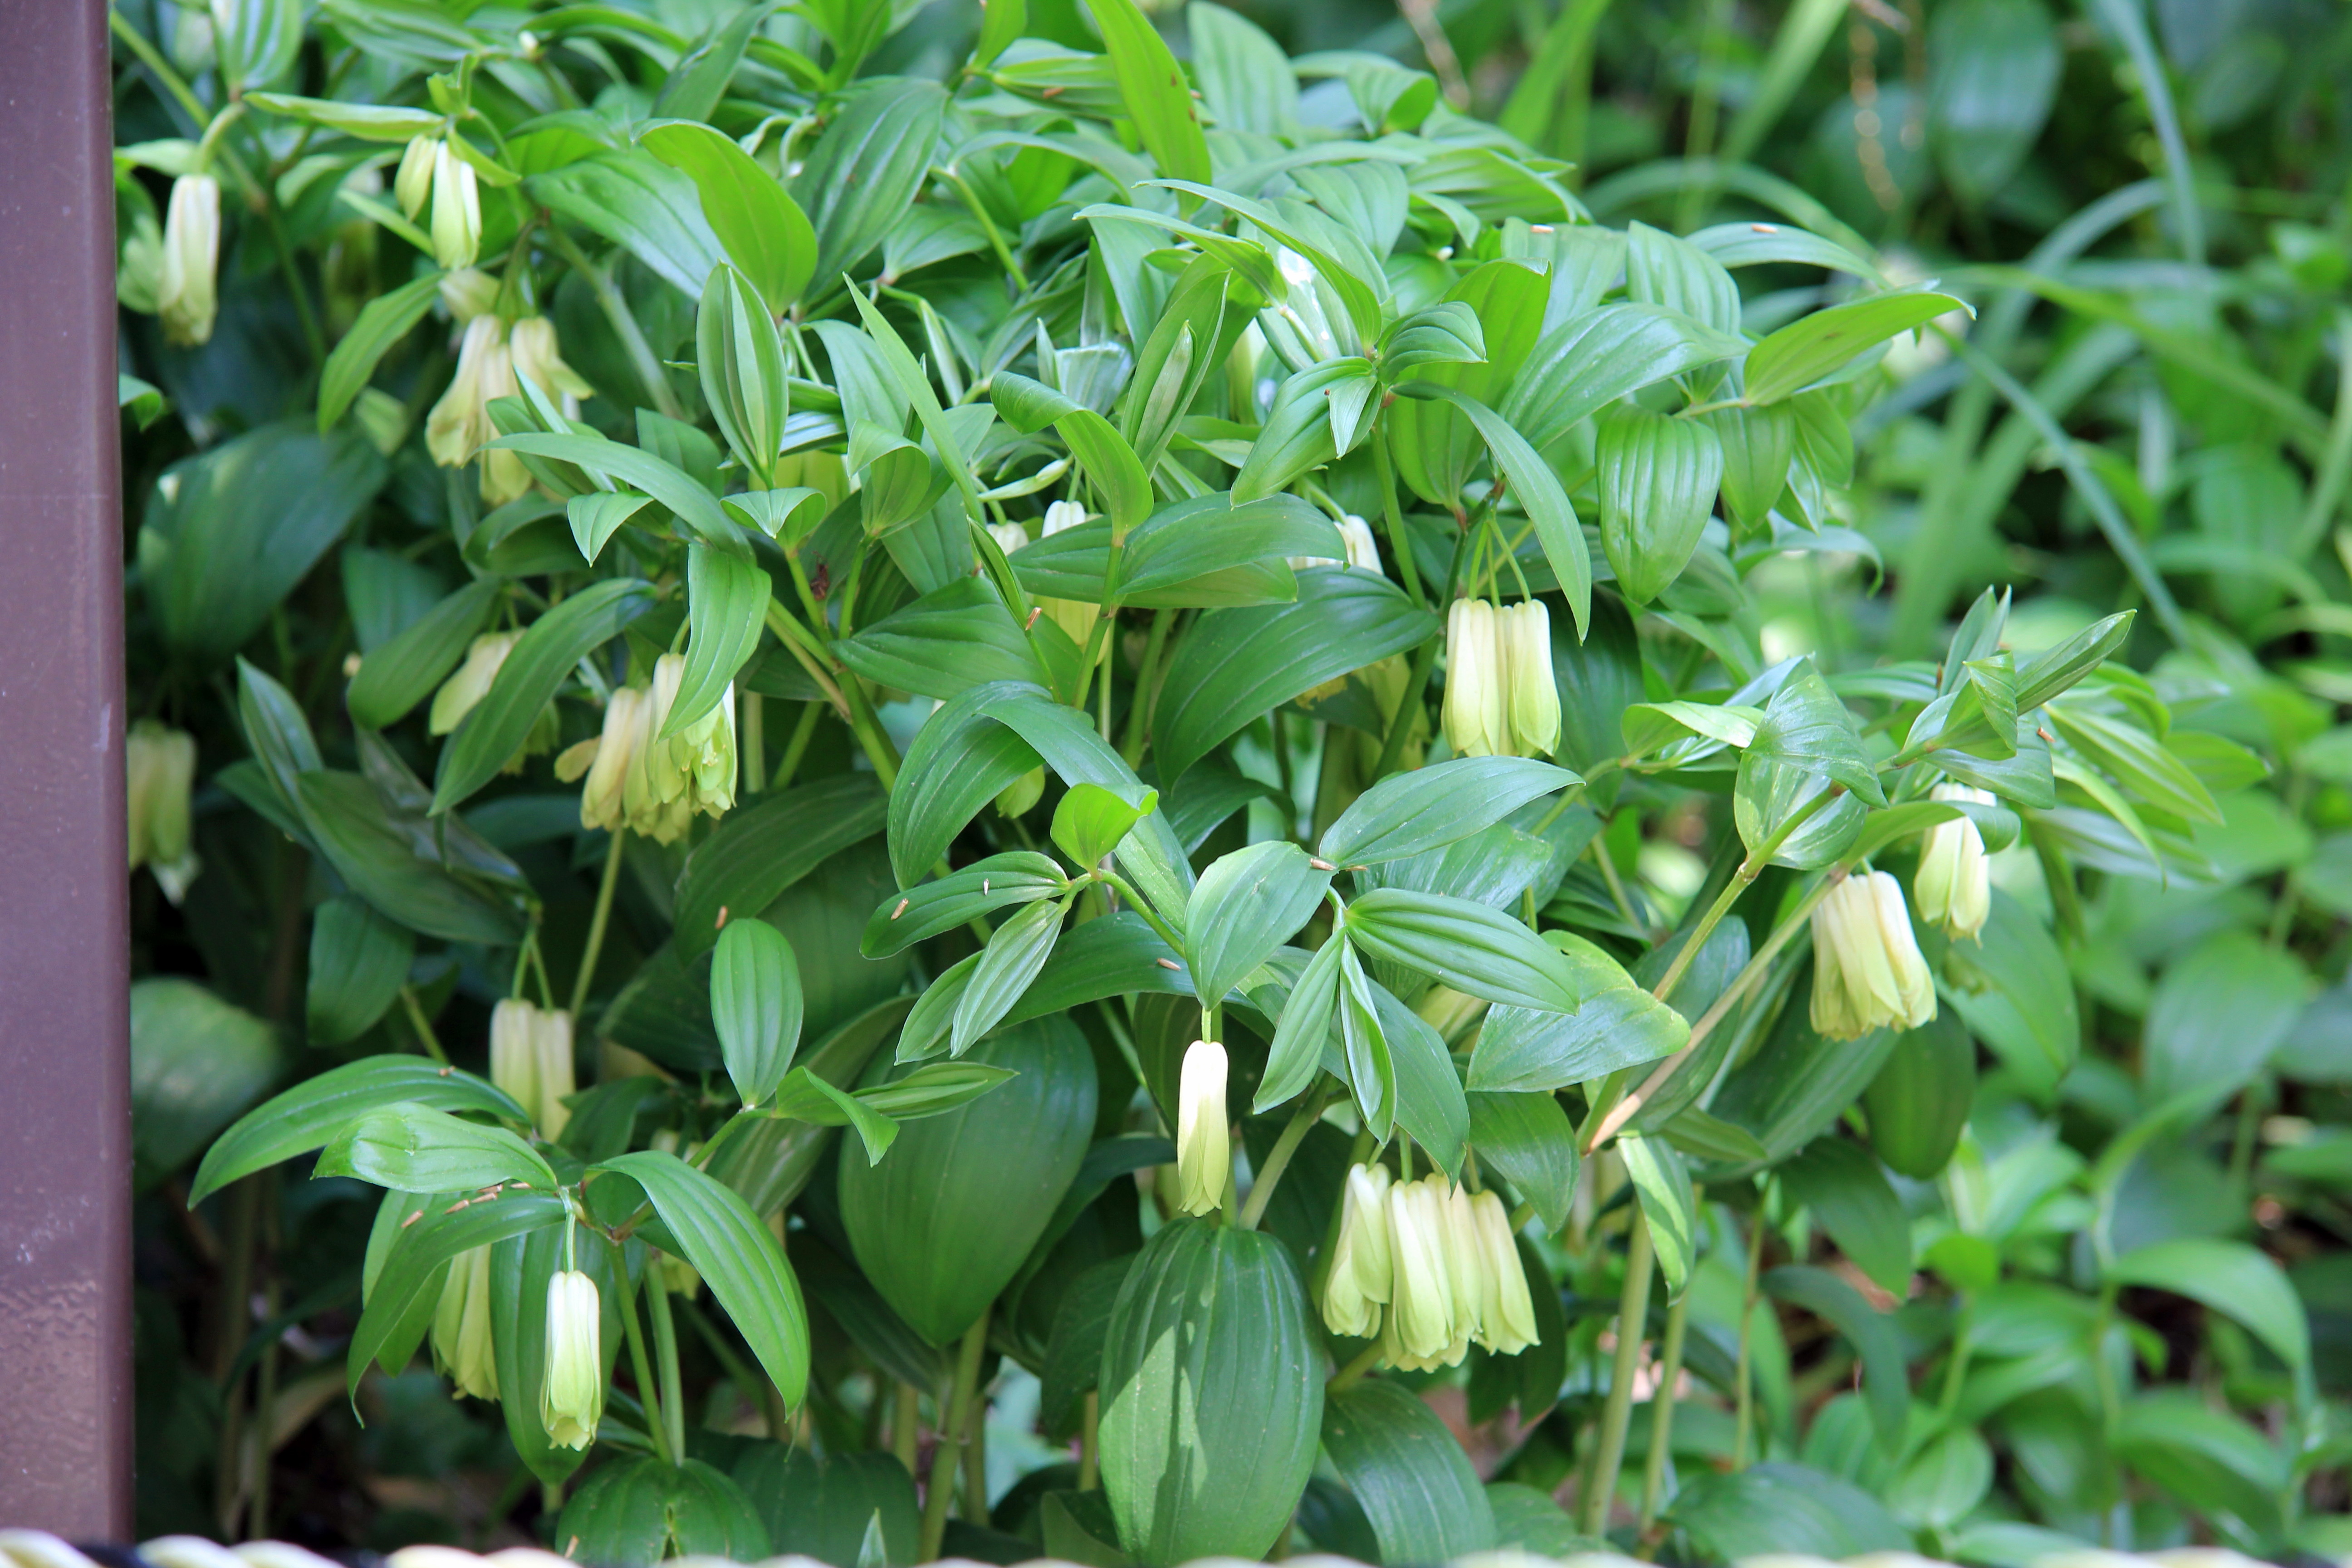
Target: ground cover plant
(1033,782)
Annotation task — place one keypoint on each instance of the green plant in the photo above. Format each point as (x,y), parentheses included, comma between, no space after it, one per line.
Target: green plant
(1038,572)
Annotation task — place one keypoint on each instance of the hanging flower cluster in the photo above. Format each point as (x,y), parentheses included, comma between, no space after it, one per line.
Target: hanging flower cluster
(647,784)
(1500,697)
(1428,1268)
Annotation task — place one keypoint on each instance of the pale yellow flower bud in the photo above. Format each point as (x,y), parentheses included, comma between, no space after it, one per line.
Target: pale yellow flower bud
(457,209)
(607,761)
(1205,1155)
(1009,536)
(1523,638)
(471,682)
(1473,715)
(1359,1282)
(414,183)
(1355,541)
(1075,616)
(572,1401)
(692,771)
(159,771)
(461,1326)
(536,355)
(468,292)
(459,423)
(1421,1304)
(1867,972)
(187,291)
(1507,1313)
(1954,884)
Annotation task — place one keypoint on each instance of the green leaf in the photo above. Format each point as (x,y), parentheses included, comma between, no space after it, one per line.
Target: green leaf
(822,1509)
(435,1231)
(944,1223)
(1318,414)
(755,1004)
(1850,1196)
(726,597)
(1414,813)
(195,1062)
(640,204)
(934,1088)
(961,760)
(2137,760)
(1796,1084)
(352,826)
(1234,665)
(1531,479)
(1408,1474)
(637,1511)
(1102,452)
(381,322)
(699,77)
(2014,988)
(806,1097)
(1154,90)
(398,675)
(358,961)
(950,640)
(1662,1186)
(1783,1508)
(1212,1392)
(1091,821)
(595,517)
(664,481)
(1447,332)
(498,725)
(1246,905)
(366,121)
(738,1257)
(1008,963)
(1296,1054)
(1526,1139)
(1658,477)
(1758,444)
(2221,1007)
(1814,346)
(928,909)
(1430,1103)
(865,171)
(1468,946)
(758,852)
(1244,78)
(1435,449)
(1364,1044)
(231,531)
(2054,672)
(1591,361)
(1619,1025)
(1807,726)
(1886,1384)
(741,361)
(1664,269)
(2228,1278)
(1207,552)
(306,1116)
(414,1148)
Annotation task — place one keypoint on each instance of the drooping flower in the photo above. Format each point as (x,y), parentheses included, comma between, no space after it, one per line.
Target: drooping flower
(1507,1313)
(1867,972)
(1954,884)
(1419,1333)
(188,291)
(457,209)
(531,1060)
(1075,616)
(461,1326)
(159,771)
(459,429)
(536,355)
(1356,543)
(1204,1156)
(484,656)
(1523,640)
(607,759)
(572,1400)
(414,183)
(1474,714)
(1359,1282)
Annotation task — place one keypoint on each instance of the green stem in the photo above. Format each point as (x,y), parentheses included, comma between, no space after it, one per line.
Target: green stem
(1089,1443)
(1277,1159)
(904,1421)
(1616,881)
(755,743)
(665,1327)
(1131,748)
(1632,1309)
(422,1025)
(797,747)
(1744,1377)
(597,923)
(1393,516)
(1741,881)
(642,358)
(1662,1410)
(1348,1376)
(1401,721)
(1142,907)
(1733,994)
(951,1437)
(656,1428)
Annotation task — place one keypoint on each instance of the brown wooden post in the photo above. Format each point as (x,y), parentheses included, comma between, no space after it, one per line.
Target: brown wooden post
(65,1125)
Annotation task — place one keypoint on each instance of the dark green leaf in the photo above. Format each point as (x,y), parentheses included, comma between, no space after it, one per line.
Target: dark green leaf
(1469,946)
(382,321)
(1411,1477)
(414,1148)
(755,1004)
(1850,1196)
(757,853)
(1526,1139)
(358,961)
